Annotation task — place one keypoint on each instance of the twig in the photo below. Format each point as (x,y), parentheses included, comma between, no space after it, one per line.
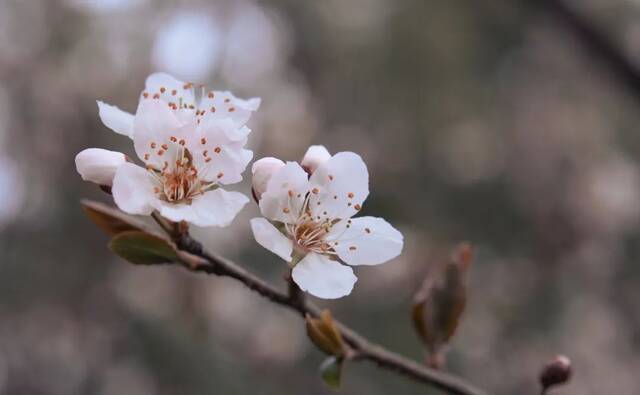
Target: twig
(195,258)
(594,40)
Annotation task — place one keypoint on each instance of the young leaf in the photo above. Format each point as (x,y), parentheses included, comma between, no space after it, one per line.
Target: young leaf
(331,371)
(110,219)
(143,248)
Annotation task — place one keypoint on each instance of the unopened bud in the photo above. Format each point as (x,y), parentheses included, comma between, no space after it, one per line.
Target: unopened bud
(99,165)
(261,171)
(315,156)
(556,372)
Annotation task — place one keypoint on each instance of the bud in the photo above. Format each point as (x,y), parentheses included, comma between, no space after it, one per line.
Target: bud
(324,334)
(315,156)
(261,171)
(556,372)
(439,303)
(99,165)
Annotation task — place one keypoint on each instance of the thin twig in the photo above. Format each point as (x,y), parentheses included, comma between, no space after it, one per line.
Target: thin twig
(195,258)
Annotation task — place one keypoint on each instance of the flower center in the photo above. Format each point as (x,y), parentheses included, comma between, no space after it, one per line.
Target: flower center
(310,236)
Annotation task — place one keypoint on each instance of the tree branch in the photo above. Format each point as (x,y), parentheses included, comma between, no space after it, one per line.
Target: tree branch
(193,257)
(595,41)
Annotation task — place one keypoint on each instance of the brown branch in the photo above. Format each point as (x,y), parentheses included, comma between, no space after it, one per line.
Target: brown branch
(597,43)
(195,258)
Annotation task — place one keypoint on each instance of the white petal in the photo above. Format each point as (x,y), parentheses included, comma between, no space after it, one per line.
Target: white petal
(154,126)
(218,155)
(315,156)
(169,89)
(220,105)
(339,186)
(115,119)
(214,208)
(133,190)
(323,277)
(365,241)
(285,194)
(99,165)
(271,238)
(261,172)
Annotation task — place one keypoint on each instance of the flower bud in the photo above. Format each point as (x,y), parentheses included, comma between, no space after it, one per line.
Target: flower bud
(262,170)
(556,372)
(315,156)
(99,165)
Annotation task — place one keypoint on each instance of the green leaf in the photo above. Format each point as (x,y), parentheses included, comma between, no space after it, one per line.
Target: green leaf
(142,248)
(110,219)
(331,371)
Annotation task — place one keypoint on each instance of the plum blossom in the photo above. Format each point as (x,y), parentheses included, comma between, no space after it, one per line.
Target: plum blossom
(188,153)
(181,96)
(308,222)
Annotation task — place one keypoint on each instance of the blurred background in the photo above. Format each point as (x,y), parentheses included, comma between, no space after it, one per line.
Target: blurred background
(505,123)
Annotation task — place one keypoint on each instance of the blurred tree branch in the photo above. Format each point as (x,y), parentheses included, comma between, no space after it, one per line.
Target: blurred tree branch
(192,256)
(596,41)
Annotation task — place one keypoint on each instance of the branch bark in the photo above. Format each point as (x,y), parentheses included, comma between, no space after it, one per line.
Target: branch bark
(193,257)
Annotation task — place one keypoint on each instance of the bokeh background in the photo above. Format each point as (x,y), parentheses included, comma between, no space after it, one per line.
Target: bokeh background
(499,122)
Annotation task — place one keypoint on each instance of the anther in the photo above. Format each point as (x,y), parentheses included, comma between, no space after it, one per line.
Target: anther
(173,139)
(164,147)
(217,150)
(211,95)
(207,160)
(146,156)
(153,145)
(160,152)
(145,94)
(350,195)
(330,177)
(156,96)
(182,142)
(315,190)
(227,100)
(232,109)
(353,248)
(174,92)
(286,210)
(162,89)
(357,207)
(220,175)
(213,108)
(205,152)
(203,141)
(367,230)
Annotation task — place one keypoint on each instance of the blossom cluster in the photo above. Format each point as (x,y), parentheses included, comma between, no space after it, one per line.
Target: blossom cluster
(191,143)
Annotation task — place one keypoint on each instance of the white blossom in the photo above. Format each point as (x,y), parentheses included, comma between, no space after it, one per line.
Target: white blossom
(308,223)
(180,95)
(99,165)
(188,152)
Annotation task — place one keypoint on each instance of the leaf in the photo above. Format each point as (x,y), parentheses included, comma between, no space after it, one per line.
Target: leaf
(331,372)
(142,248)
(110,219)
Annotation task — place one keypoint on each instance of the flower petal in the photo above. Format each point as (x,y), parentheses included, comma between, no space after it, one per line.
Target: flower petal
(271,238)
(99,165)
(155,129)
(315,156)
(323,277)
(214,208)
(220,105)
(218,157)
(285,194)
(261,173)
(339,186)
(365,241)
(133,190)
(115,119)
(169,89)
